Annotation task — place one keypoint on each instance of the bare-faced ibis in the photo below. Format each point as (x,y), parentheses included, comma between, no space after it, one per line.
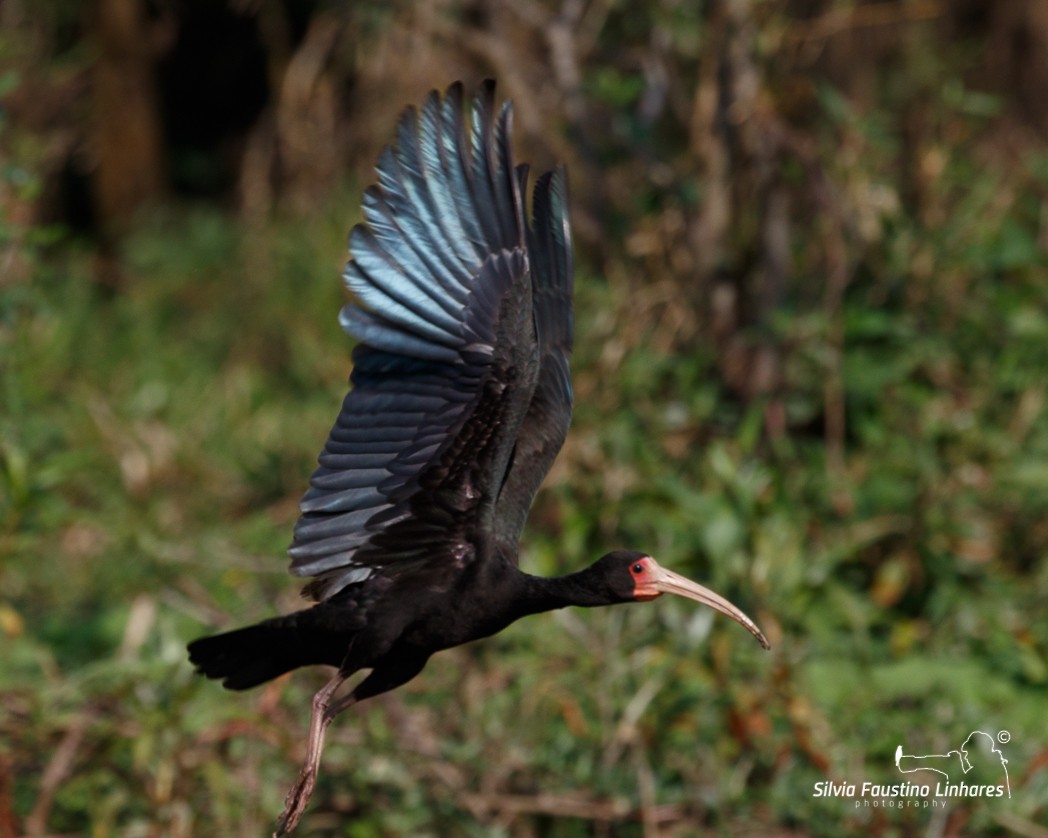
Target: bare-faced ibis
(460,399)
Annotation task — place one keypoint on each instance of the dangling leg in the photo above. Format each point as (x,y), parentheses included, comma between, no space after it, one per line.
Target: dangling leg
(382,679)
(298,797)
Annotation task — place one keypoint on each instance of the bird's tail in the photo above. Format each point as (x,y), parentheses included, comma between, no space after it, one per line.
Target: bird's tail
(250,656)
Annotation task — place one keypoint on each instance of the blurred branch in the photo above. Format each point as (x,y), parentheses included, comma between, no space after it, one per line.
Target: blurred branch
(544,803)
(1020,825)
(863,16)
(59,767)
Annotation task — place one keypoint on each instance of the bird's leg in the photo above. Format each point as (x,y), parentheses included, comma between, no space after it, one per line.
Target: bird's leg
(382,678)
(323,713)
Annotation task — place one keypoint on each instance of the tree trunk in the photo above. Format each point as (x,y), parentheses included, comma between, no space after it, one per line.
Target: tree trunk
(126,130)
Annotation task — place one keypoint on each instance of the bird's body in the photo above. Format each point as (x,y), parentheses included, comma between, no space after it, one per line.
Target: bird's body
(384,621)
(460,401)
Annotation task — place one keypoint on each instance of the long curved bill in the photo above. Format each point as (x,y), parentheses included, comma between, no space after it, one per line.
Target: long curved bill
(668,582)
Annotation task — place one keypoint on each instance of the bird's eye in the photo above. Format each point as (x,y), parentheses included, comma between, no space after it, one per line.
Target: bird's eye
(637,569)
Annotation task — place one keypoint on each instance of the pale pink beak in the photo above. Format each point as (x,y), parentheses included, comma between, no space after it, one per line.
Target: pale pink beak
(662,581)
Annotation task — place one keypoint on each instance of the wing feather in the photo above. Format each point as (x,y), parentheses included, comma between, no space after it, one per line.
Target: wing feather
(548,416)
(454,347)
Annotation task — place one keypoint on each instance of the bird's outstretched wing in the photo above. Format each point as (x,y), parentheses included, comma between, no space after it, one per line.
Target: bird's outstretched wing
(447,359)
(548,416)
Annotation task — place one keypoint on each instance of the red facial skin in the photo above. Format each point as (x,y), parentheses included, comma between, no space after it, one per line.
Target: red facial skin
(644,576)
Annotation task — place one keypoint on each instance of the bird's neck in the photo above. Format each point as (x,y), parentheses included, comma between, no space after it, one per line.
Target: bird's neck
(540,593)
(509,597)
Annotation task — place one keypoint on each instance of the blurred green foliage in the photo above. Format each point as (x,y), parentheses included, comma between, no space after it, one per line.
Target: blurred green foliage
(154,441)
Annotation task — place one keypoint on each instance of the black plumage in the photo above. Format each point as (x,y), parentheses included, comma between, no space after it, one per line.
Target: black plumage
(460,400)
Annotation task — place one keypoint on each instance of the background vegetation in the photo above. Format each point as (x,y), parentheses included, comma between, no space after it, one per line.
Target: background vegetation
(811,369)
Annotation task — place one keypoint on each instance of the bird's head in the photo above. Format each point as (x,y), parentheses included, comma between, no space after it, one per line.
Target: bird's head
(637,577)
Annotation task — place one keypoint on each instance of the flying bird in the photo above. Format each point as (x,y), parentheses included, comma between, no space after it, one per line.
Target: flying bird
(460,400)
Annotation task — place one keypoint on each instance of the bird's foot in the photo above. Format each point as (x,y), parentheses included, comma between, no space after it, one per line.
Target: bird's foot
(296,801)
